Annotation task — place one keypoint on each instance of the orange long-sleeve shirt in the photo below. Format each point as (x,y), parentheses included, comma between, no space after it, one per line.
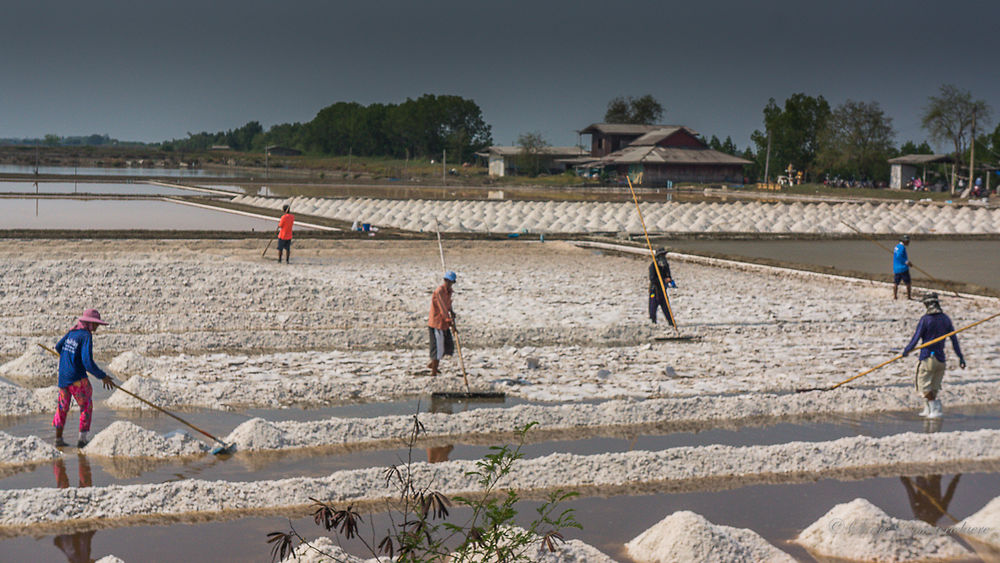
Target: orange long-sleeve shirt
(440,316)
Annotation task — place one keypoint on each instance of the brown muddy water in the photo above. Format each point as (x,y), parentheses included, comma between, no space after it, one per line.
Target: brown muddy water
(966,261)
(777,512)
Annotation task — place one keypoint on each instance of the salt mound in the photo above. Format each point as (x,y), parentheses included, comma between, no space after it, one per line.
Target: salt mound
(686,536)
(123,438)
(257,434)
(35,368)
(16,400)
(110,559)
(860,530)
(323,550)
(983,526)
(25,450)
(131,363)
(147,388)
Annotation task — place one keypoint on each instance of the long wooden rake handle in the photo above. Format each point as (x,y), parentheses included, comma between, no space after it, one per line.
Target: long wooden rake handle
(924,345)
(138,398)
(652,254)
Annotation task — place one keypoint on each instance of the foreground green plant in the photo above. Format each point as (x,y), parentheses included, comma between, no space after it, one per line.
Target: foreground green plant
(419,529)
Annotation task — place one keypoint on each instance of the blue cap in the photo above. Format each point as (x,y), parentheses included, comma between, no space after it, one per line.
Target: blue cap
(450,276)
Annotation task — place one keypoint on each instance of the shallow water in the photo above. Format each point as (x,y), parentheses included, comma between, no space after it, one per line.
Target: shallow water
(30,213)
(967,261)
(82,188)
(96,171)
(777,512)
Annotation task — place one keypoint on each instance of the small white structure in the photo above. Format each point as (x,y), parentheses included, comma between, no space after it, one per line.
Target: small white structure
(502,160)
(903,168)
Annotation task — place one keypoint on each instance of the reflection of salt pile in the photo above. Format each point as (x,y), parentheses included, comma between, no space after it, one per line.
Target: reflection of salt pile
(257,434)
(860,530)
(148,389)
(130,363)
(579,217)
(686,536)
(35,368)
(982,530)
(24,450)
(123,438)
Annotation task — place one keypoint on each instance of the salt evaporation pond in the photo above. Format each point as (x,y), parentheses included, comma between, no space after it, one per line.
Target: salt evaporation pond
(121,214)
(98,188)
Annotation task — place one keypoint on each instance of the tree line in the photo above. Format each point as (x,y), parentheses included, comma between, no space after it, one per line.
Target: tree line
(422,127)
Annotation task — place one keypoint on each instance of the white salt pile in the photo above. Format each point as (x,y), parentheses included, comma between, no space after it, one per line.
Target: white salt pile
(687,536)
(35,368)
(130,363)
(110,559)
(983,527)
(859,530)
(16,401)
(258,434)
(15,450)
(125,438)
(149,389)
(322,550)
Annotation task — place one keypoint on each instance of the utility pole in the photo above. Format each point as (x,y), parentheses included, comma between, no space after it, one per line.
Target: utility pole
(444,166)
(972,152)
(767,160)
(350,157)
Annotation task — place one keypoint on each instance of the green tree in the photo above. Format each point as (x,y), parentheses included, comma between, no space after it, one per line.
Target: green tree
(950,116)
(857,141)
(909,147)
(645,110)
(51,140)
(794,132)
(532,152)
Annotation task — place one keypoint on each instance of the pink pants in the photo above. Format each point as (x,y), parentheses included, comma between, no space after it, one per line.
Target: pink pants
(83,393)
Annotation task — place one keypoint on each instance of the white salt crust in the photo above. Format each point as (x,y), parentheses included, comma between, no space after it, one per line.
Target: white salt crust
(983,526)
(859,530)
(129,363)
(686,468)
(687,536)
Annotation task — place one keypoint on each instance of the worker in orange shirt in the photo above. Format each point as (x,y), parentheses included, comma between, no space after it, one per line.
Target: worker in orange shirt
(285,233)
(440,322)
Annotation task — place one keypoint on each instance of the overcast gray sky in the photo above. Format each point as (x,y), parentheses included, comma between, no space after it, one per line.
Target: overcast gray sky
(154,71)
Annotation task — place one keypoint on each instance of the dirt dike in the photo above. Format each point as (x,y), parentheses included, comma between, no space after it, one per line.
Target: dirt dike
(676,469)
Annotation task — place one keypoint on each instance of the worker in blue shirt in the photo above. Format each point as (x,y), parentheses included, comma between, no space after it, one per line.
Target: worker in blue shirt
(76,358)
(930,369)
(901,266)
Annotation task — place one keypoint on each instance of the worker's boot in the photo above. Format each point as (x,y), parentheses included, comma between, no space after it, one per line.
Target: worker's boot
(927,408)
(936,409)
(434,367)
(59,442)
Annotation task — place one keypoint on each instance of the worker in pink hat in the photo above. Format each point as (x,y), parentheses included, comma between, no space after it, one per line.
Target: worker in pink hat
(76,358)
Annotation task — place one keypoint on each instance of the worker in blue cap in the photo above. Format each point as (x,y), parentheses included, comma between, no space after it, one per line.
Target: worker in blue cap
(440,321)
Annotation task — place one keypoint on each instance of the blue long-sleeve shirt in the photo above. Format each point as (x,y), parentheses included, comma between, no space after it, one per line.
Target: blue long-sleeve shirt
(899,260)
(76,358)
(929,328)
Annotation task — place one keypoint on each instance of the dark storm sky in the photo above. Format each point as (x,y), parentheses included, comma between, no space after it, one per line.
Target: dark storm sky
(153,71)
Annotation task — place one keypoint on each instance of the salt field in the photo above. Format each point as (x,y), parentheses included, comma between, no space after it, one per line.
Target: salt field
(671,217)
(291,362)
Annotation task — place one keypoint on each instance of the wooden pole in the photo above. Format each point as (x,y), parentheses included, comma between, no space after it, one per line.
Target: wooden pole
(652,254)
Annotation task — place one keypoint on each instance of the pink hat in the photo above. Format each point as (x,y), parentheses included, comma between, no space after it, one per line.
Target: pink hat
(92,316)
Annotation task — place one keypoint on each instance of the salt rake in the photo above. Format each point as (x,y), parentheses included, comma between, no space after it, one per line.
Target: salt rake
(898,357)
(678,337)
(222,448)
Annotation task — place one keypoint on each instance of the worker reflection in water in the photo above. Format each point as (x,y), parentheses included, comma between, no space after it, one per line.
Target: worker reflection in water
(76,547)
(926,499)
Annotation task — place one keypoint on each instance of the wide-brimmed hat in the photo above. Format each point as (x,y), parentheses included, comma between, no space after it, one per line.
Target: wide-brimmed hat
(92,316)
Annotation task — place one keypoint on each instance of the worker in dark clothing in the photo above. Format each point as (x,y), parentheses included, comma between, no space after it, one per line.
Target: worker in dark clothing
(930,369)
(656,295)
